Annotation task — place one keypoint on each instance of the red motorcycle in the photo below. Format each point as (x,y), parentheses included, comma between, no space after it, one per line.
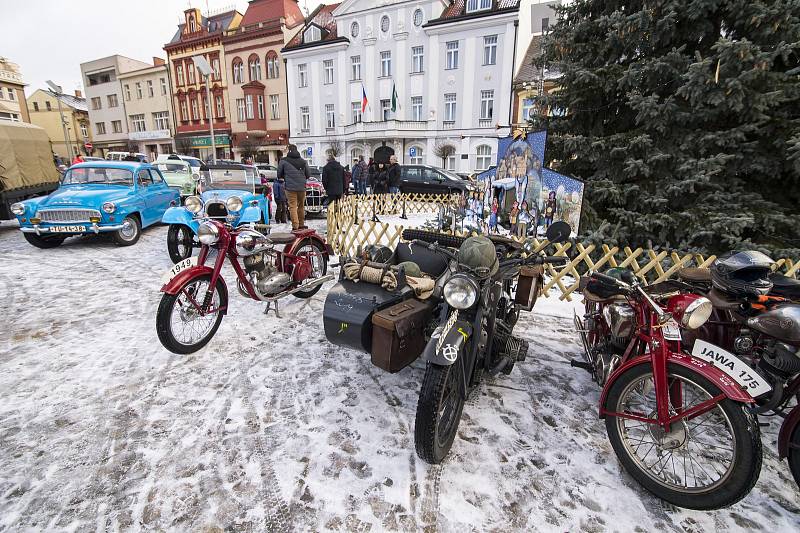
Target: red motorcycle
(680,425)
(196,296)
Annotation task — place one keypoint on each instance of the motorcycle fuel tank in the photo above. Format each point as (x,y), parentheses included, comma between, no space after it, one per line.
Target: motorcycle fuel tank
(781,323)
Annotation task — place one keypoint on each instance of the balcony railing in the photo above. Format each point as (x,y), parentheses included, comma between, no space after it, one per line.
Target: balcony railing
(384,125)
(485,123)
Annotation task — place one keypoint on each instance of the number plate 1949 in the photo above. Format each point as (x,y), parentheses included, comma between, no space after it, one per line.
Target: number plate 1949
(179,267)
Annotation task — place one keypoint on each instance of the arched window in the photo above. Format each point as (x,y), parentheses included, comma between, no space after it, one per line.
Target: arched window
(238,71)
(255,68)
(417,156)
(273,70)
(355,153)
(484,159)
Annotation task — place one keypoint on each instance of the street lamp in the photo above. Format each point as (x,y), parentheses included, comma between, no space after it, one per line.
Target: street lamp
(206,70)
(55,90)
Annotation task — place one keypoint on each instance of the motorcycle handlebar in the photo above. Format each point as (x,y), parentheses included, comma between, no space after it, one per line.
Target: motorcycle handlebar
(555,260)
(608,279)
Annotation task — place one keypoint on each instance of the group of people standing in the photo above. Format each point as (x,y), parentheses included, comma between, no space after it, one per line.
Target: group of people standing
(381,177)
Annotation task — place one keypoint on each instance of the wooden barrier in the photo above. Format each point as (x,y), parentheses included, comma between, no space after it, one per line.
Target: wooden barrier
(350,226)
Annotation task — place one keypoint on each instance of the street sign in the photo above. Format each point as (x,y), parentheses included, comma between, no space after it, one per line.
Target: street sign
(310,150)
(89,146)
(412,152)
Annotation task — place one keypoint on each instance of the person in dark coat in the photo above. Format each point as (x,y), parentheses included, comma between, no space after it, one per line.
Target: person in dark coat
(394,175)
(281,202)
(294,169)
(333,179)
(380,179)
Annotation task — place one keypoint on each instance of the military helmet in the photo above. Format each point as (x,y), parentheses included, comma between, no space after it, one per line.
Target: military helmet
(411,269)
(478,255)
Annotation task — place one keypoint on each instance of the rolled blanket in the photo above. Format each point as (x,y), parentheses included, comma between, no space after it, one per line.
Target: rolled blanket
(423,287)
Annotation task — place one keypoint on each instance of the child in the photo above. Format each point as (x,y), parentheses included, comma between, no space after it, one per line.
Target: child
(281,201)
(512,217)
(523,220)
(493,216)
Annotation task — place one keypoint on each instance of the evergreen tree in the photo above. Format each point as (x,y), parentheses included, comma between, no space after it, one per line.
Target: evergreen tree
(683,118)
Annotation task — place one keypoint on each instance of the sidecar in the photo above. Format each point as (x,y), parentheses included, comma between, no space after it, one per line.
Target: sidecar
(388,324)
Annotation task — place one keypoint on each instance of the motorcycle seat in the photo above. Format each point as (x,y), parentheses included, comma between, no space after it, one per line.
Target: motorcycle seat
(429,262)
(282,238)
(785,287)
(722,301)
(592,297)
(695,275)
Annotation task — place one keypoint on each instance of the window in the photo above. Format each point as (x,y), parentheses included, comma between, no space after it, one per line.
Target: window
(418,157)
(386,64)
(330,116)
(273,69)
(12,95)
(354,28)
(163,86)
(238,72)
(487,105)
(139,90)
(240,110)
(195,110)
(49,107)
(385,23)
(261,107)
(220,107)
(1,94)
(179,74)
(355,112)
(417,59)
(116,126)
(161,120)
(150,91)
(490,50)
(255,69)
(305,119)
(450,163)
(100,128)
(274,107)
(190,72)
(527,108)
(112,100)
(302,74)
(484,159)
(127,93)
(478,5)
(184,111)
(418,18)
(137,123)
(386,109)
(313,34)
(416,108)
(327,67)
(215,68)
(355,64)
(450,107)
(356,154)
(545,24)
(248,101)
(35,105)
(96,103)
(84,130)
(452,55)
(206,110)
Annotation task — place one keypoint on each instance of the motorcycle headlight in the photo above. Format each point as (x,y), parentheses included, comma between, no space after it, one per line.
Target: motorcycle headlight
(18,209)
(109,207)
(234,204)
(193,204)
(460,292)
(697,313)
(208,233)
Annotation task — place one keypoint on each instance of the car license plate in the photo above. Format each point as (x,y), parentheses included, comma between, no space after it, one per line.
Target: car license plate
(180,267)
(671,331)
(734,367)
(67,229)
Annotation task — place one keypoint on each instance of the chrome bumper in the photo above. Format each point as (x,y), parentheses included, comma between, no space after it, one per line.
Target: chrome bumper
(93,228)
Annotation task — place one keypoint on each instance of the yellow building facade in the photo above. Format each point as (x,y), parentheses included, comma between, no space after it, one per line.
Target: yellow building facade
(43,111)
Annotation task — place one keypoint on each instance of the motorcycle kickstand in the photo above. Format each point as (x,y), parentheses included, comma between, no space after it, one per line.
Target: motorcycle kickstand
(273,306)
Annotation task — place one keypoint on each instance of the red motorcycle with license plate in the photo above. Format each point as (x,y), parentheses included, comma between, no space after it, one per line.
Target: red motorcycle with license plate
(196,296)
(680,425)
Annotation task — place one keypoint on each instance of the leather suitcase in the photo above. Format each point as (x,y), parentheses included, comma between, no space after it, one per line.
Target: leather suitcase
(398,334)
(529,285)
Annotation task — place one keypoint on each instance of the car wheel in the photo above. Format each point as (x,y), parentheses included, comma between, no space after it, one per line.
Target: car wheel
(130,232)
(43,242)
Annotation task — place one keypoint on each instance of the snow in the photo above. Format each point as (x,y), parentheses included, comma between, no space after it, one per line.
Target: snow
(271,428)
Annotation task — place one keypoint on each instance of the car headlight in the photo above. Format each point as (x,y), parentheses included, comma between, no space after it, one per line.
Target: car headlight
(109,207)
(208,233)
(697,313)
(193,204)
(18,209)
(234,204)
(461,292)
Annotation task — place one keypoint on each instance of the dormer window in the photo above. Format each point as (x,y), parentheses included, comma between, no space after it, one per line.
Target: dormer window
(478,5)
(192,26)
(313,34)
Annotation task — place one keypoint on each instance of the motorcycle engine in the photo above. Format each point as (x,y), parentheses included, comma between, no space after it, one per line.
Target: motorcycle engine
(264,277)
(781,359)
(621,320)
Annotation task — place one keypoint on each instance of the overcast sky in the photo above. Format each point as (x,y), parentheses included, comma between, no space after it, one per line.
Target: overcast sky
(49,39)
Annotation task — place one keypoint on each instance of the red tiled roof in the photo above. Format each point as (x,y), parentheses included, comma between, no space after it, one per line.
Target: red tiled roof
(266,10)
(459,9)
(322,17)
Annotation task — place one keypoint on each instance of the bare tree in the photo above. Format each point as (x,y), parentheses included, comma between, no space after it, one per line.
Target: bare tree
(248,147)
(444,149)
(133,147)
(335,147)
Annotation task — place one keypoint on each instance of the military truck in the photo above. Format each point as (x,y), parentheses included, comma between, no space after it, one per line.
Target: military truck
(26,165)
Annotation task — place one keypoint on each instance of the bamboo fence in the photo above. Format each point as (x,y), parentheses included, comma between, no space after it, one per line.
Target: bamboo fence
(351,225)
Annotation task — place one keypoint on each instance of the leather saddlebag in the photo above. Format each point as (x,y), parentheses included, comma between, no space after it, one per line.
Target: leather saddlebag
(529,285)
(398,334)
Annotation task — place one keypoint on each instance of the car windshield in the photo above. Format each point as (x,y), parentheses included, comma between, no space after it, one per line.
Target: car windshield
(172,168)
(450,175)
(229,178)
(106,176)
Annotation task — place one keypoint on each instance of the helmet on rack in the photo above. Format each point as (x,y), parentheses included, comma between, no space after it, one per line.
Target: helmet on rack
(478,254)
(742,273)
(377,253)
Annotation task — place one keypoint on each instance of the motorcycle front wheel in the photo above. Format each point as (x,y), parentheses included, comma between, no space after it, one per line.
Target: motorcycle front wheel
(180,242)
(438,413)
(181,327)
(707,462)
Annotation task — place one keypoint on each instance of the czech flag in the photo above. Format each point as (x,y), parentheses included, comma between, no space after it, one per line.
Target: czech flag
(364,100)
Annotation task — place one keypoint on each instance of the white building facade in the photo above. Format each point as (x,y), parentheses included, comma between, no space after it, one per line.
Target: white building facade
(436,74)
(148,109)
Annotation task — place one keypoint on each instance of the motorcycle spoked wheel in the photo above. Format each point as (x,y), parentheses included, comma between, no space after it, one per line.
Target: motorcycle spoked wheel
(794,454)
(181,242)
(438,412)
(181,329)
(319,265)
(707,462)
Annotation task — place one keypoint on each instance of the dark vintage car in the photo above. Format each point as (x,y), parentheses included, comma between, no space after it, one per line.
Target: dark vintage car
(431,180)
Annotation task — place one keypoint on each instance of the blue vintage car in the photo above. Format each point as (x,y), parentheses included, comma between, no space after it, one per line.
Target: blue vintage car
(231,193)
(119,198)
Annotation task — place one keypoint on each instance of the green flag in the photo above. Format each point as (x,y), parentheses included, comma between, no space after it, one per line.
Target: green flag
(394,98)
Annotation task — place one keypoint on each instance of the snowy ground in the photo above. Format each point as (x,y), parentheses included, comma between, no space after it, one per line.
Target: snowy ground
(270,428)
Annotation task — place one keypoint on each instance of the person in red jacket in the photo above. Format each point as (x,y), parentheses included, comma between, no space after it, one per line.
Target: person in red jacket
(78,159)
